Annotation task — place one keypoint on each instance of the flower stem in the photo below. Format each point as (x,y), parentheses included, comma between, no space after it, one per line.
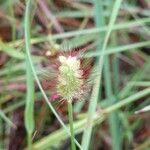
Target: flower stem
(70,115)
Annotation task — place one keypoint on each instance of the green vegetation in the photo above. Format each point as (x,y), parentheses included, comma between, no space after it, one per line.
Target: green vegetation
(106,49)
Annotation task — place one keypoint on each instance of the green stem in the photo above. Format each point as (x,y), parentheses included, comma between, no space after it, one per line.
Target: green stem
(29,141)
(98,9)
(113,119)
(70,115)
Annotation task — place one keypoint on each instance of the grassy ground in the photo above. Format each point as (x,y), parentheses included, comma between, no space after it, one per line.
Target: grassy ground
(111,39)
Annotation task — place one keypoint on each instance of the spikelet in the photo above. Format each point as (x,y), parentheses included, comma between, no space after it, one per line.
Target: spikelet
(69,78)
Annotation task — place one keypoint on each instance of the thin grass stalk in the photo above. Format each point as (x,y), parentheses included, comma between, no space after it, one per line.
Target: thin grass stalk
(113,120)
(97,81)
(86,32)
(116,85)
(113,117)
(99,19)
(70,115)
(28,42)
(119,49)
(92,106)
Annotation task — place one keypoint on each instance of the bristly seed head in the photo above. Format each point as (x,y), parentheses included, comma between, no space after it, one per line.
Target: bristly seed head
(69,78)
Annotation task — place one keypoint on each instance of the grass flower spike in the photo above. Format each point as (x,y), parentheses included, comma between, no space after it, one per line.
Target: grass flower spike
(69,85)
(70,77)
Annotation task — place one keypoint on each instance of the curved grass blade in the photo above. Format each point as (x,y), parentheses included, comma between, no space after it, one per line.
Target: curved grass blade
(27,42)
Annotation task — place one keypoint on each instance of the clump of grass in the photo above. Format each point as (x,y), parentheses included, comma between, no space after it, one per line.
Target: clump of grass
(121,98)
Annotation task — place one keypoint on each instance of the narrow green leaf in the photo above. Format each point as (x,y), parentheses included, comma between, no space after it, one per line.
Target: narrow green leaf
(29,108)
(97,81)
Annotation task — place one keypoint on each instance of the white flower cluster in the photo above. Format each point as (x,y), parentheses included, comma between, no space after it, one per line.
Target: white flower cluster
(72,63)
(69,78)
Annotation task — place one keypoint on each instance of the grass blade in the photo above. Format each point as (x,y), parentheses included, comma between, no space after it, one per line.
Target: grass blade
(27,41)
(97,82)
(29,107)
(79,126)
